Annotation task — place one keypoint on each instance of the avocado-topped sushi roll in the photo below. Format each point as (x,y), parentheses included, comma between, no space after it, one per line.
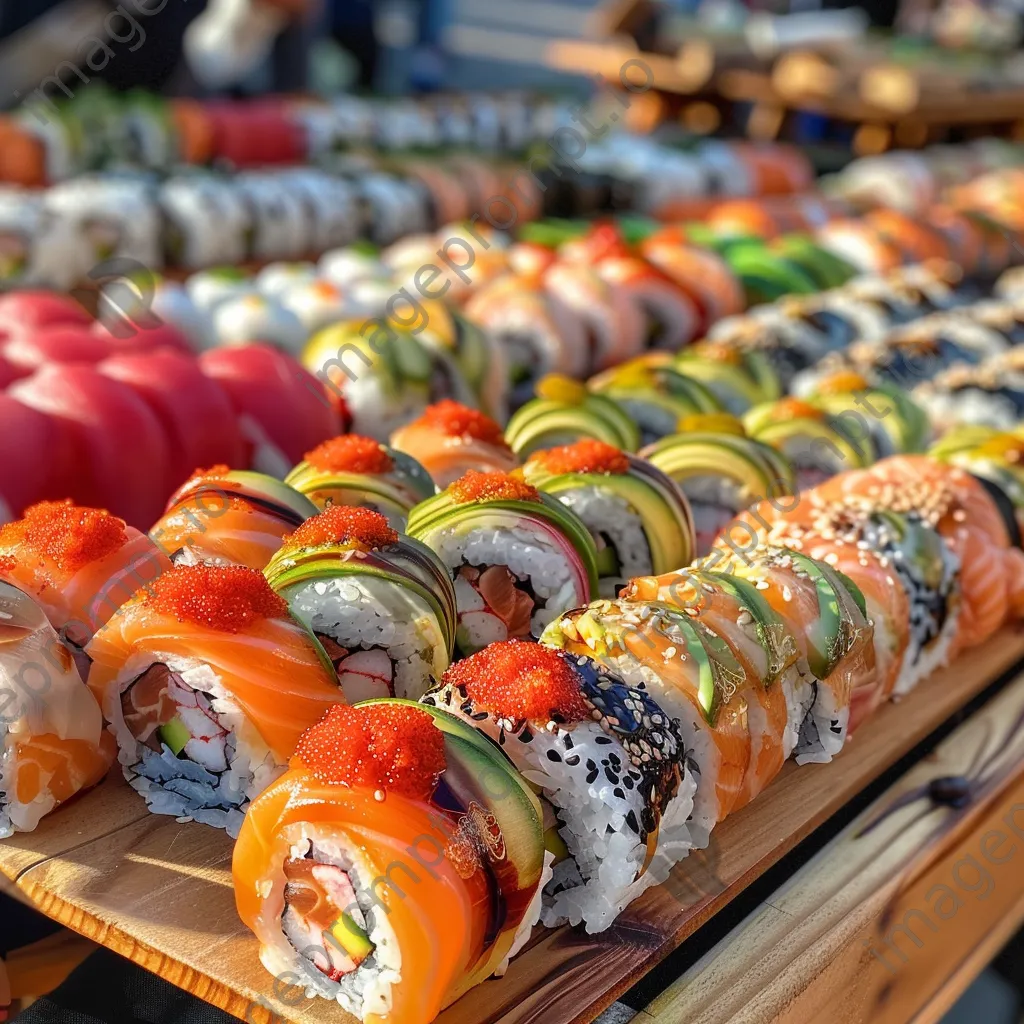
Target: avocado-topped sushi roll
(720,470)
(208,684)
(229,517)
(476,352)
(814,443)
(737,379)
(827,615)
(519,557)
(654,394)
(450,439)
(385,376)
(565,411)
(606,759)
(382,605)
(372,788)
(356,470)
(639,518)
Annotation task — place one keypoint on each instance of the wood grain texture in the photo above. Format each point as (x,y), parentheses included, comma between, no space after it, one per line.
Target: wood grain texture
(159,892)
(895,917)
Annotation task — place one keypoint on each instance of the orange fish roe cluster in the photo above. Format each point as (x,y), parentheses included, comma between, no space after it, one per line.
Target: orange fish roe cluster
(386,747)
(456,420)
(350,453)
(587,456)
(796,408)
(68,535)
(215,471)
(7,564)
(228,599)
(519,680)
(347,525)
(494,486)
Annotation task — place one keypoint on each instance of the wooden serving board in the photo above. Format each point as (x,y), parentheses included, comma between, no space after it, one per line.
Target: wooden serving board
(895,916)
(159,892)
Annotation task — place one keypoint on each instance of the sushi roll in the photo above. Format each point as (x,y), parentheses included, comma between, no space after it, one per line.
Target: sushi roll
(479,356)
(607,760)
(450,439)
(654,394)
(539,333)
(738,380)
(692,675)
(317,304)
(519,558)
(382,605)
(250,318)
(208,288)
(778,696)
(385,380)
(356,470)
(276,279)
(207,222)
(383,786)
(229,517)
(639,518)
(52,741)
(564,411)
(989,395)
(79,564)
(827,614)
(721,471)
(208,685)
(814,443)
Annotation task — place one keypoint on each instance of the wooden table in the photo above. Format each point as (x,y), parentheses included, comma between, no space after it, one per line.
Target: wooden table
(159,892)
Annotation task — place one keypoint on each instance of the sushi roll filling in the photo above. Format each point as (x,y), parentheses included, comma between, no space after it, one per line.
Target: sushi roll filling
(322,919)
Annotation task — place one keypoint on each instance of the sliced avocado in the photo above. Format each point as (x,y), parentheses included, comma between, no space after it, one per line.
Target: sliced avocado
(607,562)
(827,645)
(175,735)
(352,938)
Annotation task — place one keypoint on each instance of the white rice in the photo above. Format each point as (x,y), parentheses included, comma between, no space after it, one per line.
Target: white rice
(182,787)
(604,512)
(368,612)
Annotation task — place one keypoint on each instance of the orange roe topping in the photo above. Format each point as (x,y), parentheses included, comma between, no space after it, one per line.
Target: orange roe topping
(7,564)
(842,382)
(214,471)
(359,528)
(386,747)
(456,420)
(225,598)
(350,453)
(520,680)
(587,456)
(795,408)
(67,534)
(495,486)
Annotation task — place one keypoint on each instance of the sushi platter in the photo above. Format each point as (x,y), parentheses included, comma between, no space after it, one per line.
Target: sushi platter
(459,664)
(160,893)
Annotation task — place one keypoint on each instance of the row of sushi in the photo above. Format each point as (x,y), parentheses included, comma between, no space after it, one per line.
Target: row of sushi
(56,139)
(637,724)
(85,410)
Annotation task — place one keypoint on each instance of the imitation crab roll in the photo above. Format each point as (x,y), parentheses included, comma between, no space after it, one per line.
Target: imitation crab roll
(565,411)
(639,518)
(815,444)
(372,789)
(519,557)
(654,394)
(208,684)
(606,758)
(450,439)
(80,564)
(691,673)
(720,470)
(827,614)
(382,605)
(229,517)
(356,470)
(52,741)
(384,375)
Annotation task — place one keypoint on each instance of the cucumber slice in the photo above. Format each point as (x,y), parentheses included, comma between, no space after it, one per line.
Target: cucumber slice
(352,938)
(175,735)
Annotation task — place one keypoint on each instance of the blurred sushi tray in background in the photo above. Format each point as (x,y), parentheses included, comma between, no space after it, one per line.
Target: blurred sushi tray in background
(486,611)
